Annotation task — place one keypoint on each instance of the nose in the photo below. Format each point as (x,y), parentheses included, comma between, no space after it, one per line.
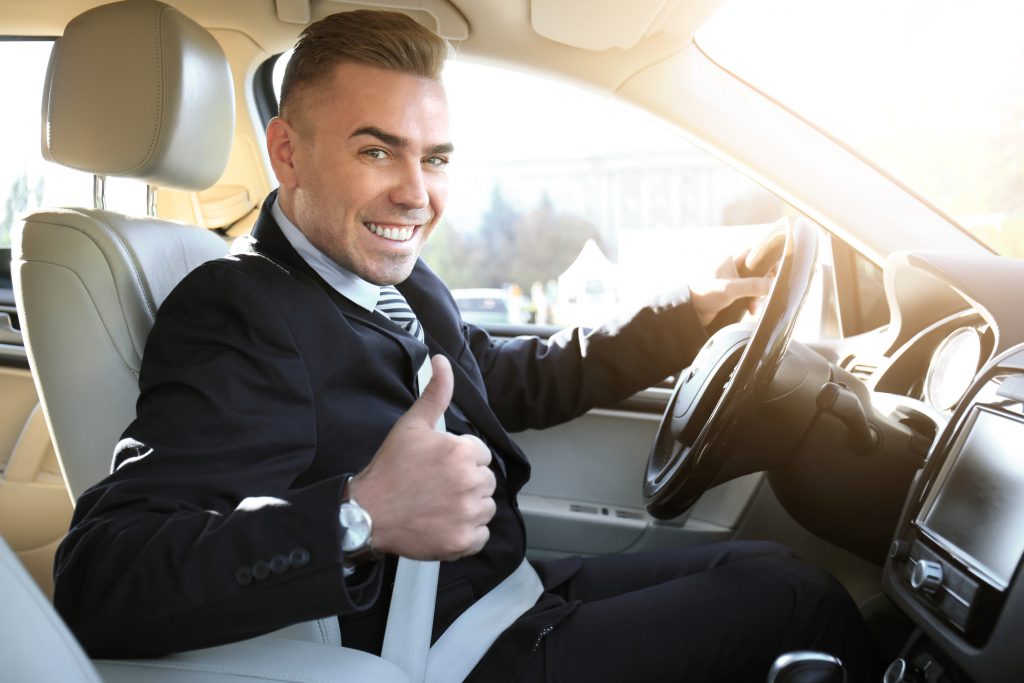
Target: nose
(410,188)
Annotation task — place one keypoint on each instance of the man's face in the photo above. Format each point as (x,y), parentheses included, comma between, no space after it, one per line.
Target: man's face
(362,167)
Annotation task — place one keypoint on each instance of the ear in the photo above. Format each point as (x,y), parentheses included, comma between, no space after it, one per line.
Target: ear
(281,139)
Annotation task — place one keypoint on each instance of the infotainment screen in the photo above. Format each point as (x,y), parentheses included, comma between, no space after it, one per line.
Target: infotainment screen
(976,506)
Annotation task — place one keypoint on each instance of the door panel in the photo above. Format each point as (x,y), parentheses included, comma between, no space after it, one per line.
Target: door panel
(584,496)
(35,508)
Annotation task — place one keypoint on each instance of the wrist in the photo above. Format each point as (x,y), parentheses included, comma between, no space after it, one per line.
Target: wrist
(356,528)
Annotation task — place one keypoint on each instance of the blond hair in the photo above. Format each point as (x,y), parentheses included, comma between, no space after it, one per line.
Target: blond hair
(387,40)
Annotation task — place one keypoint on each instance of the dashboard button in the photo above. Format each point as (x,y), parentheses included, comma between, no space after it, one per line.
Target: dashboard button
(927,576)
(899,550)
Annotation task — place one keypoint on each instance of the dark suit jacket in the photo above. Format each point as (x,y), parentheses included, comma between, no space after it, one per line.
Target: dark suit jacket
(261,388)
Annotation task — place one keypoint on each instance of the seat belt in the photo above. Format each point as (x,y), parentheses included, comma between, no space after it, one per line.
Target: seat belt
(467,639)
(411,616)
(465,642)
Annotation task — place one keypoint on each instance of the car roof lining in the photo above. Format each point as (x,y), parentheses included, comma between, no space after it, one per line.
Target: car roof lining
(618,39)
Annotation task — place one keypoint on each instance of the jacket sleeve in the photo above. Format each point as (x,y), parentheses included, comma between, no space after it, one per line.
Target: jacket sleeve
(536,383)
(198,536)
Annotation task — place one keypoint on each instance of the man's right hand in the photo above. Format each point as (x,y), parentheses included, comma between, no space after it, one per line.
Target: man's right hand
(429,493)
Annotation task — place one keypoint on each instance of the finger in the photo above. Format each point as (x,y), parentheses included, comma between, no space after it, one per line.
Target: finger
(479,449)
(755,287)
(436,396)
(739,261)
(488,483)
(489,510)
(481,535)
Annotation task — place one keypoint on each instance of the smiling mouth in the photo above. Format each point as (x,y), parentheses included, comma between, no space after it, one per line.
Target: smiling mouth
(395,233)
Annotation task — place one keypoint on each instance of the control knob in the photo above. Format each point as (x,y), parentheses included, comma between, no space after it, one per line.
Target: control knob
(927,576)
(900,671)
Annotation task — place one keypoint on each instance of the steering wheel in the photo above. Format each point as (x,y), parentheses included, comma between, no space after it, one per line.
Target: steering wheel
(729,376)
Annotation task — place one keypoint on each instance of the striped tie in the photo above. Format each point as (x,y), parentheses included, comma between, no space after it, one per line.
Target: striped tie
(392,304)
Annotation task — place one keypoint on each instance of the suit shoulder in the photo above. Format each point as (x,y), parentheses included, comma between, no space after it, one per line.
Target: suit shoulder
(251,276)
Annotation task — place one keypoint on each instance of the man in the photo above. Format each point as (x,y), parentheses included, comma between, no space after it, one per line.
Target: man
(272,377)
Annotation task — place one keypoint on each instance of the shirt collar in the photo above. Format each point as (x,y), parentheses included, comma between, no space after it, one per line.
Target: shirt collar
(347,283)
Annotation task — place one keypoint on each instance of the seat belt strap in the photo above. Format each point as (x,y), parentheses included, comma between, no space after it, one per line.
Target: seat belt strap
(467,639)
(465,642)
(411,616)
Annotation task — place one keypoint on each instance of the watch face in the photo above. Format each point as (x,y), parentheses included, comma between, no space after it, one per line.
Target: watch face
(357,527)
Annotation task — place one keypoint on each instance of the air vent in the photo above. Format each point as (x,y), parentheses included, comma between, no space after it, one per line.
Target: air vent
(862,371)
(629,514)
(589,509)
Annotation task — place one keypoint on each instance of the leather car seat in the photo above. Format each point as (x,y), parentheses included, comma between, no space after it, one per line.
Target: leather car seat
(36,646)
(135,89)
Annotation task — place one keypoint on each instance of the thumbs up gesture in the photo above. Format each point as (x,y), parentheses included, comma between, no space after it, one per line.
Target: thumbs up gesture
(429,493)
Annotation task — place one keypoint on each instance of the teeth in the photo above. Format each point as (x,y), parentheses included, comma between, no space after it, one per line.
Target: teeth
(395,234)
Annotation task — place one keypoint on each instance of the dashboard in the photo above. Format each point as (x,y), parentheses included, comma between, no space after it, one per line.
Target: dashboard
(953,566)
(954,349)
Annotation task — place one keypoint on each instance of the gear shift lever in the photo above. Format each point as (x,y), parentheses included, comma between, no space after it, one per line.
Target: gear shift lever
(806,666)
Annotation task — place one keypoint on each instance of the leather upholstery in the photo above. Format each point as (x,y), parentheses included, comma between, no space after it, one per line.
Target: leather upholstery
(89,285)
(27,621)
(35,645)
(138,89)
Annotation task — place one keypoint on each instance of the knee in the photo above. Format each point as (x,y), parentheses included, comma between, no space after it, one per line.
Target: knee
(747,550)
(812,589)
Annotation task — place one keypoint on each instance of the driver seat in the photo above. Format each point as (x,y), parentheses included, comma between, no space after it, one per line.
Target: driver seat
(135,89)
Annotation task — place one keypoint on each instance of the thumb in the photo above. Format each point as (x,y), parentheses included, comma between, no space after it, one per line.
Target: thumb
(436,396)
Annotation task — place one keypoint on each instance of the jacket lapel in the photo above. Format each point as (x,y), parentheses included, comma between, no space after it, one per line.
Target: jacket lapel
(268,241)
(443,329)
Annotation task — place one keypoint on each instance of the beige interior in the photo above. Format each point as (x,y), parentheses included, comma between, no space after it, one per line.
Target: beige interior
(35,507)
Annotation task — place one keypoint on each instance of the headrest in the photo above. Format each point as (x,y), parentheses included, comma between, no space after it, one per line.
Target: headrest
(137,89)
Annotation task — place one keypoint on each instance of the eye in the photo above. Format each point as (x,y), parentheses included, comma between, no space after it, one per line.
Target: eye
(376,153)
(437,162)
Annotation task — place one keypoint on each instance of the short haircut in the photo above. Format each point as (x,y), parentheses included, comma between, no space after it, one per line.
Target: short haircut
(386,40)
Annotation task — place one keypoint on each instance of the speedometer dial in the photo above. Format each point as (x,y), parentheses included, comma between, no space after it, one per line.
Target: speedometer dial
(953,367)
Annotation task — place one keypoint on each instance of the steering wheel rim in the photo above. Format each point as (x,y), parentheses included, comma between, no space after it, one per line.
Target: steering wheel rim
(699,426)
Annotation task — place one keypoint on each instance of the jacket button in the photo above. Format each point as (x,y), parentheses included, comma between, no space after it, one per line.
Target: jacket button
(243,576)
(279,564)
(260,570)
(299,557)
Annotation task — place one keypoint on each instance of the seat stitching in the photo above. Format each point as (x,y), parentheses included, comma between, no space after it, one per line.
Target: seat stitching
(95,308)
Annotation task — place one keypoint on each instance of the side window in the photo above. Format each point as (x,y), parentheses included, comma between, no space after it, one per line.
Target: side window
(566,208)
(27,181)
(862,291)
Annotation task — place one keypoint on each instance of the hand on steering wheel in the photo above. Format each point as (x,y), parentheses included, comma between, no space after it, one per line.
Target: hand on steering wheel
(729,376)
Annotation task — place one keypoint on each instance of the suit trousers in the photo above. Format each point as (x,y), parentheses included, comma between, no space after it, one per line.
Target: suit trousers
(703,614)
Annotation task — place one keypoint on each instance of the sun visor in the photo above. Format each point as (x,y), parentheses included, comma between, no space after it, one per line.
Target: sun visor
(605,24)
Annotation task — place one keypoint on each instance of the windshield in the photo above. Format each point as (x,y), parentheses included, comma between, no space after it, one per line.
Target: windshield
(930,90)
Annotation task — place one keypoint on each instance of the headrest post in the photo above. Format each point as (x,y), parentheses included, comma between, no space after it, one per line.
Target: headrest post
(99,191)
(151,200)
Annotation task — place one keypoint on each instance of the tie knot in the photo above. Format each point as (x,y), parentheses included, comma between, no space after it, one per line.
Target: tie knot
(392,304)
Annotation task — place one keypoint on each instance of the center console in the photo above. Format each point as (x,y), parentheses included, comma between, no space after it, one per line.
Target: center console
(954,563)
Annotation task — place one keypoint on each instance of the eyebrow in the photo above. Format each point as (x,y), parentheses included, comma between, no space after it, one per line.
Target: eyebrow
(398,141)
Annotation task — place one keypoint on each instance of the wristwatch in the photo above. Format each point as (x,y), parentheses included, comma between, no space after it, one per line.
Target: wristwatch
(358,530)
